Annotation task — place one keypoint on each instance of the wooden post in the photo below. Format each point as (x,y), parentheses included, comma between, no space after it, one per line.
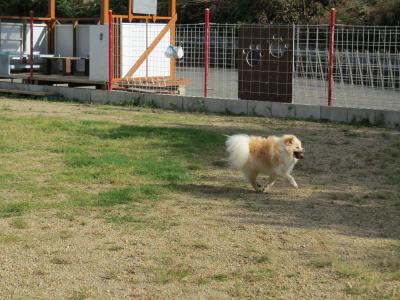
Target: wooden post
(51,26)
(172,14)
(130,10)
(74,39)
(52,9)
(105,7)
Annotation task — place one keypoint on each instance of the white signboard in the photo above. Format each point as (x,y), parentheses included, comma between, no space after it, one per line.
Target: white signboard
(134,43)
(145,7)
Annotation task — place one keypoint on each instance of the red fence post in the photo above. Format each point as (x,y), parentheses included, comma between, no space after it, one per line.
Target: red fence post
(110,51)
(206,51)
(331,56)
(31,47)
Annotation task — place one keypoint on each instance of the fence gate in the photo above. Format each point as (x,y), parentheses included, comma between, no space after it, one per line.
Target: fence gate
(266,63)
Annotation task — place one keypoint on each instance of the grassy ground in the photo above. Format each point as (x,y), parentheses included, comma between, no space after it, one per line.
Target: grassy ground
(102,202)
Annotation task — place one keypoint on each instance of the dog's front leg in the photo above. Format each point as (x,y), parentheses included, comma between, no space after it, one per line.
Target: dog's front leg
(291,180)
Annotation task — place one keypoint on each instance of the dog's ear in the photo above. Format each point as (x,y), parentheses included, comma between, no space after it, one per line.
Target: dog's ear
(288,140)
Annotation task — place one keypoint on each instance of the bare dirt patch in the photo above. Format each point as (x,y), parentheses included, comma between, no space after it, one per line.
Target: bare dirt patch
(74,225)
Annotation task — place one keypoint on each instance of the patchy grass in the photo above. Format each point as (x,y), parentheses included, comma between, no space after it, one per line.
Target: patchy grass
(80,295)
(340,267)
(322,262)
(129,202)
(13,209)
(8,239)
(169,271)
(259,274)
(128,163)
(65,215)
(140,222)
(128,194)
(19,224)
(200,246)
(394,180)
(60,261)
(355,291)
(346,270)
(163,276)
(220,277)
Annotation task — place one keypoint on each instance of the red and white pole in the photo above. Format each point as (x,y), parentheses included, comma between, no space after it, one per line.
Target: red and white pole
(31,47)
(110,51)
(206,51)
(331,56)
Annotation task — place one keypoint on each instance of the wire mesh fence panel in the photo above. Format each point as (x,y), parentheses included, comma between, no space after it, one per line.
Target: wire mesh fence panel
(284,63)
(311,58)
(367,67)
(117,47)
(240,64)
(223,76)
(191,67)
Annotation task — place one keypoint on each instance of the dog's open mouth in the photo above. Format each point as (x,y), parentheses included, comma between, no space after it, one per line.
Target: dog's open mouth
(298,154)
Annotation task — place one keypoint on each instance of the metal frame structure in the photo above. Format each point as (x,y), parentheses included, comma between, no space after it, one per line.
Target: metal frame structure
(130,17)
(107,18)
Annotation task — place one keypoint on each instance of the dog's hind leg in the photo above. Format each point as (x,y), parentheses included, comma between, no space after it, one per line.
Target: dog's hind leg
(251,177)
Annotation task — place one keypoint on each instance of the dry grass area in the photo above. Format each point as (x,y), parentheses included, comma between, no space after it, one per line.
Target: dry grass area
(104,202)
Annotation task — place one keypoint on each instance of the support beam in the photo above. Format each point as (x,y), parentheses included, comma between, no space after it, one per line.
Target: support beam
(104,8)
(51,25)
(142,17)
(74,39)
(130,10)
(171,8)
(172,14)
(52,9)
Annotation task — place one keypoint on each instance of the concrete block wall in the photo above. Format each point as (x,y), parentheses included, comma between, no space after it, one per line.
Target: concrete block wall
(389,119)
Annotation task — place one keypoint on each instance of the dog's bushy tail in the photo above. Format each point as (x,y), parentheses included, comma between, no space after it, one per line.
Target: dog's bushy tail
(238,148)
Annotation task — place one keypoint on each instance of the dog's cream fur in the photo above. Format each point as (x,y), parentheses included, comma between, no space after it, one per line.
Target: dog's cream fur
(272,156)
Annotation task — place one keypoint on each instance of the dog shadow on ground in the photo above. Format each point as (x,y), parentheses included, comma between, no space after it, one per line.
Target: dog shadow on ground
(348,213)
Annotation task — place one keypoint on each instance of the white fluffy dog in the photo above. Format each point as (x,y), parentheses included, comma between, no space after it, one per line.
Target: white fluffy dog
(272,156)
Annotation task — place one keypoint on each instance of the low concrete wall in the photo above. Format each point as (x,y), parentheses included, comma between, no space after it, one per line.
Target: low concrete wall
(390,119)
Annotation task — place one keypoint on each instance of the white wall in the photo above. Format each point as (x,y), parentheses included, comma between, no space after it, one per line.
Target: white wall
(64,42)
(82,45)
(64,36)
(63,45)
(98,52)
(133,44)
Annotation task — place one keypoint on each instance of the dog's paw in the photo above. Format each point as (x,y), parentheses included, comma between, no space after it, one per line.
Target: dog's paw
(260,188)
